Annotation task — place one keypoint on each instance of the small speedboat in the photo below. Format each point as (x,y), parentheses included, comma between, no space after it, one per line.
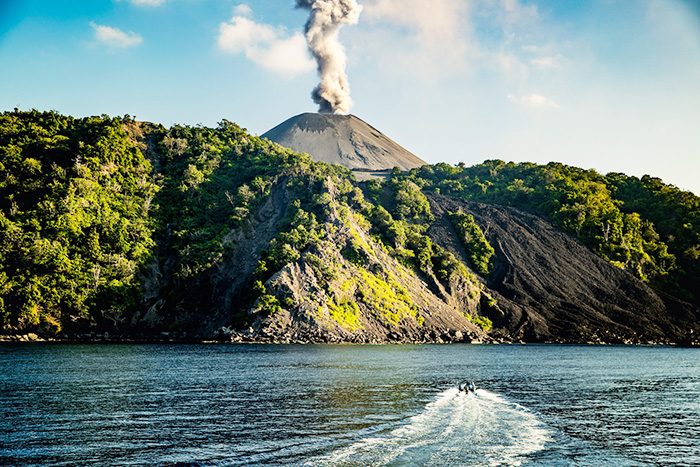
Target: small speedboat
(467,387)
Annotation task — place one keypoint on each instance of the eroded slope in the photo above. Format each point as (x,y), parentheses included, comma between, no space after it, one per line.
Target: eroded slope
(549,287)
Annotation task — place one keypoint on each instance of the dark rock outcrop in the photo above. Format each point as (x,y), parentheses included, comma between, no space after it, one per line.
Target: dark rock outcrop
(548,286)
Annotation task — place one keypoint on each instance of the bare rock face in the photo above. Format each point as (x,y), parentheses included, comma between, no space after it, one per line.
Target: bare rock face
(549,287)
(330,299)
(544,286)
(323,296)
(342,139)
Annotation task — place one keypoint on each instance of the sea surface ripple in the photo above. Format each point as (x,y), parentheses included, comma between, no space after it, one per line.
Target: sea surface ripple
(308,405)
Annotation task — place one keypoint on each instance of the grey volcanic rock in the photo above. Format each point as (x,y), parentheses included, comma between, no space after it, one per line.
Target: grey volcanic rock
(342,139)
(391,303)
(550,287)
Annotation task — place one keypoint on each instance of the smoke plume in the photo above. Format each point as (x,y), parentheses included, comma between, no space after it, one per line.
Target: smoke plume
(325,19)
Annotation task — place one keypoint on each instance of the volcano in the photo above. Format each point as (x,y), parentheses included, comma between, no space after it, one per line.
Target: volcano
(342,139)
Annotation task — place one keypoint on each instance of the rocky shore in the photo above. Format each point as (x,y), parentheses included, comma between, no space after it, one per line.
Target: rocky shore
(250,336)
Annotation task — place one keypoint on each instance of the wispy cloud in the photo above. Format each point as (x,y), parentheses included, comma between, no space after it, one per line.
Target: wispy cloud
(436,21)
(243,10)
(114,37)
(534,101)
(435,37)
(265,45)
(514,16)
(446,38)
(547,62)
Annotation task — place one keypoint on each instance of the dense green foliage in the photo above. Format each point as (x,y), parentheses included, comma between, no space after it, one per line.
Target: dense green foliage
(75,223)
(83,210)
(214,181)
(100,215)
(213,178)
(482,321)
(478,248)
(399,217)
(642,225)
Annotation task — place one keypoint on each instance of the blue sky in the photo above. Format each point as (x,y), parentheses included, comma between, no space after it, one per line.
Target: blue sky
(612,85)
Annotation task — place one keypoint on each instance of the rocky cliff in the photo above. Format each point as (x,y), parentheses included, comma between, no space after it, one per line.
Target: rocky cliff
(544,286)
(344,288)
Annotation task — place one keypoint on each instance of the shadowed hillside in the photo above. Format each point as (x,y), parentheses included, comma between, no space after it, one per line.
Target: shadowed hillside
(550,287)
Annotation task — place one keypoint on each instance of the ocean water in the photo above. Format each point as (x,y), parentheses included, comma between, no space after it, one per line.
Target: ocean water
(325,405)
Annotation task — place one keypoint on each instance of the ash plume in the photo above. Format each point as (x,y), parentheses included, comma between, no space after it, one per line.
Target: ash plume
(325,19)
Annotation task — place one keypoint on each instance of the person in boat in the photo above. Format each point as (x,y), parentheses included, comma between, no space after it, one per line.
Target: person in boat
(467,386)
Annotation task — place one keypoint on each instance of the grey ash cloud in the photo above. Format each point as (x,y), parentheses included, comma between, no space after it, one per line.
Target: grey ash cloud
(326,17)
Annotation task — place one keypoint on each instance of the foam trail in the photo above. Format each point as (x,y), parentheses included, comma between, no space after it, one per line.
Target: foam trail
(455,429)
(325,19)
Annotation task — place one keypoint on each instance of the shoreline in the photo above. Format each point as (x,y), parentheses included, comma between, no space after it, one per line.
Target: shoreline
(259,340)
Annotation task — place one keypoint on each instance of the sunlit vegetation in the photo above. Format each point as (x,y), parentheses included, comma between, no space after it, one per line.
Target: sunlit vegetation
(642,225)
(403,232)
(213,179)
(386,298)
(346,313)
(482,321)
(478,248)
(99,215)
(76,219)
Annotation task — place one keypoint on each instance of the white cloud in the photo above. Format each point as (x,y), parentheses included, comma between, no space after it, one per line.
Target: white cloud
(535,101)
(265,45)
(243,10)
(435,20)
(447,38)
(547,62)
(243,34)
(114,37)
(439,33)
(285,56)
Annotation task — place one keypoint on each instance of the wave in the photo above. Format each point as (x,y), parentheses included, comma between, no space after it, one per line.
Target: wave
(482,429)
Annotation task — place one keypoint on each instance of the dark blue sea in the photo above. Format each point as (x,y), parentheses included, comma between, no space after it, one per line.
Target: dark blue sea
(325,405)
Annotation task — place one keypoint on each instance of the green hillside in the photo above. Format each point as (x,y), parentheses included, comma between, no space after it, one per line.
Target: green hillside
(642,225)
(103,218)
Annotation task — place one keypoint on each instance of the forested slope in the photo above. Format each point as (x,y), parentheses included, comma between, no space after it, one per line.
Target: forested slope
(76,220)
(108,224)
(641,225)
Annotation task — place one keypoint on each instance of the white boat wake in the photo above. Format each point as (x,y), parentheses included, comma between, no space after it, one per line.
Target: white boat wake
(455,429)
